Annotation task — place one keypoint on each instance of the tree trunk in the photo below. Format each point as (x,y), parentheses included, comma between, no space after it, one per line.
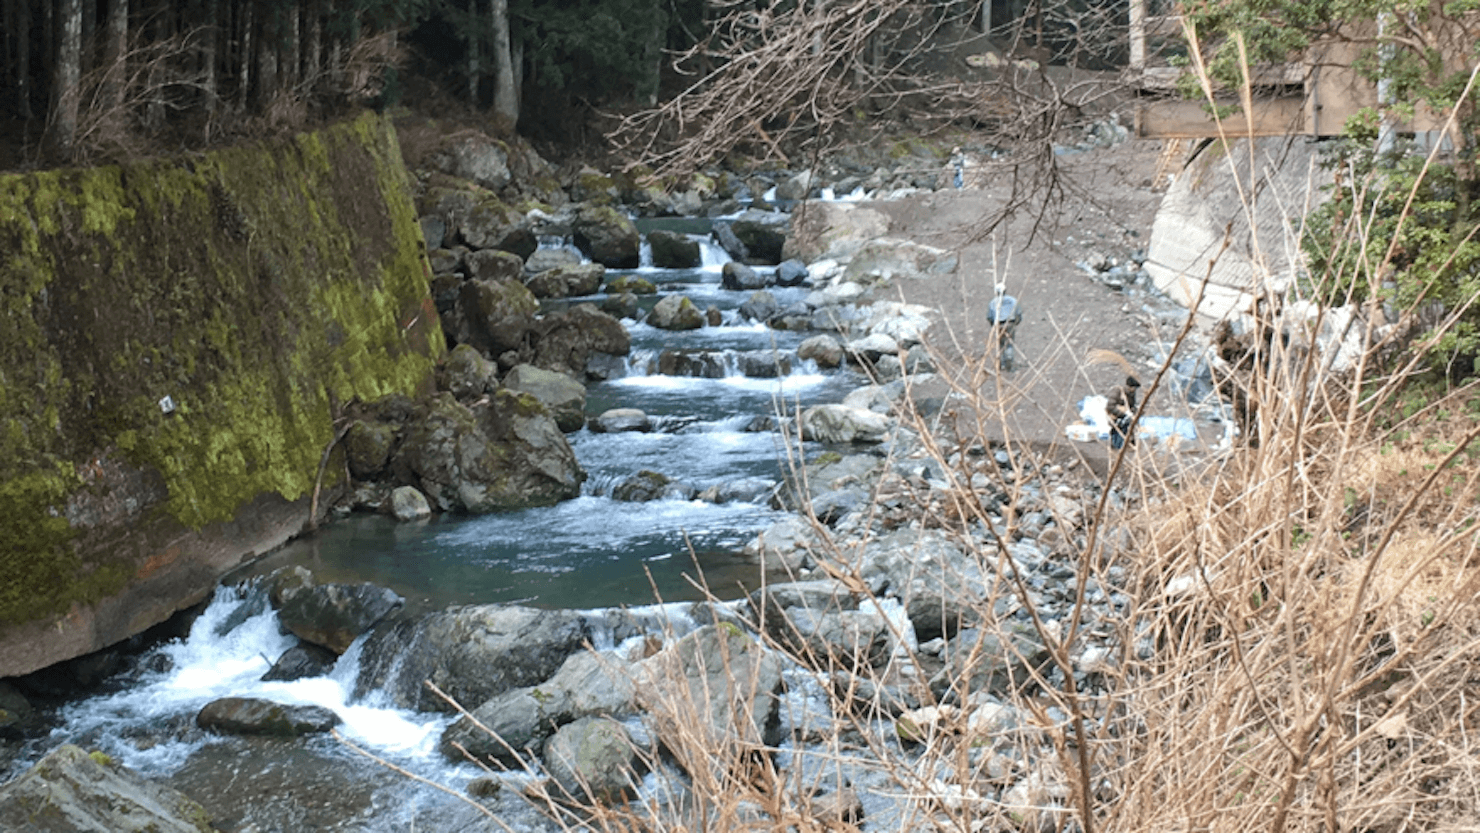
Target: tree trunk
(313,59)
(474,70)
(245,24)
(288,62)
(267,54)
(505,94)
(210,22)
(23,60)
(159,32)
(66,76)
(115,50)
(89,36)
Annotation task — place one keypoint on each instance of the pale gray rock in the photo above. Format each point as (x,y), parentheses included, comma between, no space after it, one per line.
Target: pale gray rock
(409,504)
(617,420)
(676,312)
(823,349)
(593,759)
(563,396)
(832,230)
(835,423)
(70,791)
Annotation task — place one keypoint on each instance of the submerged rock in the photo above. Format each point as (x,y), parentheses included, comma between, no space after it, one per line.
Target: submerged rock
(69,791)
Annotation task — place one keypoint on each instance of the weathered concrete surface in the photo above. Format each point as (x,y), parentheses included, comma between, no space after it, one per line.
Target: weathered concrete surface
(177,336)
(1276,180)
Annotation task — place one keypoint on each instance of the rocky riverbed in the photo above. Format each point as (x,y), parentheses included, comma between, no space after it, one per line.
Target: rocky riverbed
(927,576)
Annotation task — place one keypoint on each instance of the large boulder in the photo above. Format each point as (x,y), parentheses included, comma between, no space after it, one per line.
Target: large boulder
(302,660)
(763,233)
(738,277)
(607,236)
(566,341)
(253,716)
(494,316)
(619,420)
(823,349)
(635,284)
(562,395)
(885,259)
(504,453)
(477,158)
(676,312)
(760,306)
(713,690)
(466,374)
(493,224)
(593,760)
(334,615)
(565,281)
(835,423)
(471,653)
(942,588)
(494,265)
(71,791)
(672,250)
(367,447)
(515,723)
(553,257)
(832,230)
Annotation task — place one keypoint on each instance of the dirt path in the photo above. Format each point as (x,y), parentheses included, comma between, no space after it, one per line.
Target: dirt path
(1066,311)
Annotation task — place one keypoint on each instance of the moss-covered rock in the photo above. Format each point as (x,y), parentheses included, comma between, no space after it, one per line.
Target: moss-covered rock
(177,335)
(607,236)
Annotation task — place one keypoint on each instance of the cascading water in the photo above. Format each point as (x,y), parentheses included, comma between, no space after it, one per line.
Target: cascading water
(593,551)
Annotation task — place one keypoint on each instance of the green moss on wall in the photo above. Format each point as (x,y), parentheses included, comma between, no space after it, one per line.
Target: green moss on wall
(253,286)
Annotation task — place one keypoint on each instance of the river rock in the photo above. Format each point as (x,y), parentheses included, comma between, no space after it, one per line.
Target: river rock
(745,490)
(823,349)
(445,261)
(621,305)
(472,653)
(769,604)
(409,504)
(870,348)
(717,688)
(520,719)
(466,374)
(990,660)
(562,395)
(760,306)
(16,713)
(841,424)
(607,236)
(477,158)
(333,615)
(252,716)
(763,364)
(787,544)
(565,281)
(672,250)
(738,277)
(494,316)
(494,265)
(367,447)
(713,317)
(885,259)
(301,661)
(71,791)
(593,760)
(725,236)
(795,188)
(676,312)
(566,341)
(763,233)
(433,231)
(544,260)
(635,284)
(833,639)
(691,364)
(644,486)
(618,420)
(791,272)
(493,224)
(942,588)
(832,230)
(506,453)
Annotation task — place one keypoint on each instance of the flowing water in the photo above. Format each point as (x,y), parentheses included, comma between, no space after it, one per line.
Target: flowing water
(590,552)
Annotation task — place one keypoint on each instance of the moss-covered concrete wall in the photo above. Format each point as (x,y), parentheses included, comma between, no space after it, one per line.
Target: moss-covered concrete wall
(256,287)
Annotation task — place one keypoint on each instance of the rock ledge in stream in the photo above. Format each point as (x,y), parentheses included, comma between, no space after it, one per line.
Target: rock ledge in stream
(471,653)
(69,791)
